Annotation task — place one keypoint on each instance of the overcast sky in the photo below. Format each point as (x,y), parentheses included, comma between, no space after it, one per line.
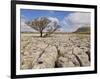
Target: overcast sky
(69,21)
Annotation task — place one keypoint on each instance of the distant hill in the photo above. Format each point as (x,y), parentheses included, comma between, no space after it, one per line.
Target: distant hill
(83,30)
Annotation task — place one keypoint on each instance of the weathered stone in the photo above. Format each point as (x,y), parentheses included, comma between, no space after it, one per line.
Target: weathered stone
(58,50)
(72,57)
(47,59)
(64,62)
(81,56)
(64,50)
(26,63)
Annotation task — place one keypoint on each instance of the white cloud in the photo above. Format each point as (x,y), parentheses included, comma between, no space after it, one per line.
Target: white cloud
(51,11)
(75,20)
(79,18)
(24,27)
(53,19)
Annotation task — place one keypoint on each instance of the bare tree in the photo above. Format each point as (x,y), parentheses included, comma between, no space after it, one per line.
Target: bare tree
(43,23)
(39,24)
(52,28)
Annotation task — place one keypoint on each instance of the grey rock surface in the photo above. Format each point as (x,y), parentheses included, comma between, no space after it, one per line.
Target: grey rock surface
(59,50)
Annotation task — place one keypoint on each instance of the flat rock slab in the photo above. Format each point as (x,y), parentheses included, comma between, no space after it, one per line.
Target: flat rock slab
(47,59)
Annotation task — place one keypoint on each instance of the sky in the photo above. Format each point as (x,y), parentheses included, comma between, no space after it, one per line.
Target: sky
(68,20)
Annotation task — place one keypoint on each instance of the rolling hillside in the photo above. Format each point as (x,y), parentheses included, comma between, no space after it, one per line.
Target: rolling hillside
(83,30)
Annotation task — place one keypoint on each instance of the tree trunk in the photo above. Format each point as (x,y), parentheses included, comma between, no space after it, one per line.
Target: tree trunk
(40,33)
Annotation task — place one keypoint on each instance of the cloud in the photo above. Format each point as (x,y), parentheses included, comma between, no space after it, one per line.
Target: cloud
(52,22)
(24,27)
(51,11)
(75,20)
(53,19)
(79,18)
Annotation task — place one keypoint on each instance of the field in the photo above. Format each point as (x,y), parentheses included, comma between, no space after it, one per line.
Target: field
(55,51)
